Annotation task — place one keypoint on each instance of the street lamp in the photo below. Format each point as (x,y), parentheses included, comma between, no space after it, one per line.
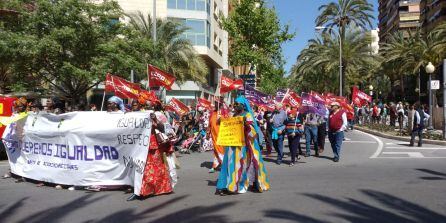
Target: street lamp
(371,91)
(430,68)
(319,28)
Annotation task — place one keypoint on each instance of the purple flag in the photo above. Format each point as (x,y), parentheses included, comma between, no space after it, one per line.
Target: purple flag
(312,104)
(280,94)
(256,96)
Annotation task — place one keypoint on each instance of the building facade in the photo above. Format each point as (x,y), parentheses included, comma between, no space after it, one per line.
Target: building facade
(209,39)
(395,15)
(433,13)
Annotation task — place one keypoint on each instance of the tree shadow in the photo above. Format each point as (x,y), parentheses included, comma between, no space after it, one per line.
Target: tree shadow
(187,215)
(129,215)
(290,216)
(437,175)
(55,214)
(5,214)
(391,209)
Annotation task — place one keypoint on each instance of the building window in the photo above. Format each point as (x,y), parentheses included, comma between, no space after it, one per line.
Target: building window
(196,5)
(198,32)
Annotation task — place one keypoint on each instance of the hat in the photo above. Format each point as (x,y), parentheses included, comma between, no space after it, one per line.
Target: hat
(292,112)
(335,103)
(118,101)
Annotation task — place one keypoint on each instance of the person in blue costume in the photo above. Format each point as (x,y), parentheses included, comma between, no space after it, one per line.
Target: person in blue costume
(243,166)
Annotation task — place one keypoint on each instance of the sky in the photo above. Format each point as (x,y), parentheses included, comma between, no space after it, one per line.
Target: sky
(301,16)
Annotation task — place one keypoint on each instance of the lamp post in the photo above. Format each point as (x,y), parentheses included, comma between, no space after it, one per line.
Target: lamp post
(371,91)
(430,68)
(318,28)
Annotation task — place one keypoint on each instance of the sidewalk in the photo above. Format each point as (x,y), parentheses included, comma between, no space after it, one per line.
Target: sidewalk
(400,138)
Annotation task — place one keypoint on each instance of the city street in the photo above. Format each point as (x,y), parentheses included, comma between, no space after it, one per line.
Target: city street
(376,180)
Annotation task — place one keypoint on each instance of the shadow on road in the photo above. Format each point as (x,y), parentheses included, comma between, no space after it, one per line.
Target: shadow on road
(390,209)
(190,214)
(11,210)
(207,165)
(437,175)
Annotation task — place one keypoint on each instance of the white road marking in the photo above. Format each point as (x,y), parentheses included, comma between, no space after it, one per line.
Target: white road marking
(380,145)
(416,148)
(410,154)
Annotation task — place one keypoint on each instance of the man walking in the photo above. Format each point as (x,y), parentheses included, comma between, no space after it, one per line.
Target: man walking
(337,124)
(418,125)
(312,121)
(278,125)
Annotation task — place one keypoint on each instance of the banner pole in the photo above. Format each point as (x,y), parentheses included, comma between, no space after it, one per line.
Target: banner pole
(287,91)
(148,78)
(103,99)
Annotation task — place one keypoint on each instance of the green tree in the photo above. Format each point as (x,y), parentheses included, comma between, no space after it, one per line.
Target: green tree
(342,15)
(256,36)
(171,51)
(317,66)
(64,41)
(408,52)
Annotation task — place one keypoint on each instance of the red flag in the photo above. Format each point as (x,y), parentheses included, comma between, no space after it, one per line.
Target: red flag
(360,98)
(147,96)
(204,104)
(177,106)
(157,77)
(121,87)
(227,84)
(292,99)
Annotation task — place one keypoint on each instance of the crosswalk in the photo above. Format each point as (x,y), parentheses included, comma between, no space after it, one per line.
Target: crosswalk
(402,150)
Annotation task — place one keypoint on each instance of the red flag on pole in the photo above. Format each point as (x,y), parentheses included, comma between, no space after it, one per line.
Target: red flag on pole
(227,84)
(121,87)
(360,98)
(292,99)
(177,106)
(204,104)
(147,96)
(158,77)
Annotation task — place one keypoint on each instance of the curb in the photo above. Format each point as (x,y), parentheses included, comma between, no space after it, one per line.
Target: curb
(400,138)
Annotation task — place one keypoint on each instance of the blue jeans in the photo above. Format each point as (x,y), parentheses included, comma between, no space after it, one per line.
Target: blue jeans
(278,146)
(336,139)
(310,135)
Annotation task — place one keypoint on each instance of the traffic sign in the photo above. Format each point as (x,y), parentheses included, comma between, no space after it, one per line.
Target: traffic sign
(435,84)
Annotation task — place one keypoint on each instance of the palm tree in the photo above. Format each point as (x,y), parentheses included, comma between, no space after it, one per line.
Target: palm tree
(317,65)
(406,53)
(344,14)
(171,51)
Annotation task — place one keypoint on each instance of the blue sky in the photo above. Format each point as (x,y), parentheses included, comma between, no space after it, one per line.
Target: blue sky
(301,15)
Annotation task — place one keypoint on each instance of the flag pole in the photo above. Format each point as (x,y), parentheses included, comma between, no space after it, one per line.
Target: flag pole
(103,99)
(287,92)
(148,78)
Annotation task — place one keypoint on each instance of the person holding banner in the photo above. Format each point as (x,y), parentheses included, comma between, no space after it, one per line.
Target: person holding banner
(337,124)
(218,150)
(115,104)
(243,165)
(156,179)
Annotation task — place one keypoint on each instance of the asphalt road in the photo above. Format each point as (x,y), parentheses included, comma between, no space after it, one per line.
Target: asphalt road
(376,180)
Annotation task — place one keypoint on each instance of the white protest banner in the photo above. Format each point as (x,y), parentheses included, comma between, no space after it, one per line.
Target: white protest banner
(80,148)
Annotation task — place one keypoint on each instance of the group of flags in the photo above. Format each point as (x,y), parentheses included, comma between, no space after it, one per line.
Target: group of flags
(312,102)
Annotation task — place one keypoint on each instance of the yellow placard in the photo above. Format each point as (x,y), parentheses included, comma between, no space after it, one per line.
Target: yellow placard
(1,108)
(231,132)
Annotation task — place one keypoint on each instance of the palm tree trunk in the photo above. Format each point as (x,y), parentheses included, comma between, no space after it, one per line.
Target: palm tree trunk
(402,86)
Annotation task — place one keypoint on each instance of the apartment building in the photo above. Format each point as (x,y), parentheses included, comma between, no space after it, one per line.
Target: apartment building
(397,15)
(433,13)
(209,39)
